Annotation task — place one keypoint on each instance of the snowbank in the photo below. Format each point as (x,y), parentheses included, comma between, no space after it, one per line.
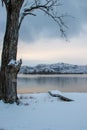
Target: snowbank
(43,112)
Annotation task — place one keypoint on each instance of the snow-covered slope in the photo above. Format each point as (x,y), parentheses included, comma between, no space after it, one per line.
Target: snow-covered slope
(43,112)
(58,68)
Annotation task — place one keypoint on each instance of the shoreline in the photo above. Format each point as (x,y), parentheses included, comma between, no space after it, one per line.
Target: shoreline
(33,90)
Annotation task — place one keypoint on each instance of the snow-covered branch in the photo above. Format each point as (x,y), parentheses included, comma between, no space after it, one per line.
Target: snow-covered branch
(15,64)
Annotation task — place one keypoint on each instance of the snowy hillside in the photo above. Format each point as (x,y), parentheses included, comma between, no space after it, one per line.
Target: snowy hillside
(58,68)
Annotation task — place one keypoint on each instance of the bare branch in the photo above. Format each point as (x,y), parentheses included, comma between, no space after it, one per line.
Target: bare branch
(58,20)
(23,15)
(4,2)
(48,7)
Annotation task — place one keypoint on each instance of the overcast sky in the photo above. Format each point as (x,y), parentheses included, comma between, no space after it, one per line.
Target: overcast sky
(40,40)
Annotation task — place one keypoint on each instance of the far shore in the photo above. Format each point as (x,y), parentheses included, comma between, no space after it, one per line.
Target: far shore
(45,90)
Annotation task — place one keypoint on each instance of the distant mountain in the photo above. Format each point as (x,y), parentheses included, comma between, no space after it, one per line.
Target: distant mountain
(58,68)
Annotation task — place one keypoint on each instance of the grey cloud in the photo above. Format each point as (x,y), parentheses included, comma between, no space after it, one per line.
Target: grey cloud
(33,27)
(76,8)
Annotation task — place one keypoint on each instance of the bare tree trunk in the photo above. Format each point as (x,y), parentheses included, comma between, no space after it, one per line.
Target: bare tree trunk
(9,72)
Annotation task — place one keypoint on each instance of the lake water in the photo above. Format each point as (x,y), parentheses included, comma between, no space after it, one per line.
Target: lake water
(43,83)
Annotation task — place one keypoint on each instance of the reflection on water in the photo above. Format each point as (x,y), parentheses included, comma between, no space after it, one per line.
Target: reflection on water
(41,83)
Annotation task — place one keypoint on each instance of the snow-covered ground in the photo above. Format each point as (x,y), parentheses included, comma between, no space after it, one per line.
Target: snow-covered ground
(40,111)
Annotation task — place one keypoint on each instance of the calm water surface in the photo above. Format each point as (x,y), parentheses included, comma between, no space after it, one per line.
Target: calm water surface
(43,83)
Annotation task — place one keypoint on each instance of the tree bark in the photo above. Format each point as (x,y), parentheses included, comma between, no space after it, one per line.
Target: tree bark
(8,89)
(8,74)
